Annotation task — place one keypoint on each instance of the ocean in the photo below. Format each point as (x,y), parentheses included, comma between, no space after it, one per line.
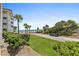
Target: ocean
(22,31)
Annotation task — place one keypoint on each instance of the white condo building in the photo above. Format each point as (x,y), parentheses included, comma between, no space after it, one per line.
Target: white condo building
(7,20)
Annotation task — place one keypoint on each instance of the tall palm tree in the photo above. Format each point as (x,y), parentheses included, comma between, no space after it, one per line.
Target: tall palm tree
(26,27)
(18,18)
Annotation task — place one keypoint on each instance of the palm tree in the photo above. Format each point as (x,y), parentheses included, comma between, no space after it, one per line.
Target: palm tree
(26,27)
(38,29)
(47,26)
(15,28)
(29,26)
(18,18)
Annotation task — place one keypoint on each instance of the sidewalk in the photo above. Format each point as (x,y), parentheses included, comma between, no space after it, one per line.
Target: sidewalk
(27,51)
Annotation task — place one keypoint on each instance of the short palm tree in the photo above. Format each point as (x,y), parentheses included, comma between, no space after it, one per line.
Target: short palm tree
(29,26)
(15,28)
(38,29)
(26,27)
(18,18)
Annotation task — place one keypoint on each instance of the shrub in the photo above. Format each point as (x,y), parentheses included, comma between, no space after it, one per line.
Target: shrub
(64,27)
(67,48)
(26,37)
(15,40)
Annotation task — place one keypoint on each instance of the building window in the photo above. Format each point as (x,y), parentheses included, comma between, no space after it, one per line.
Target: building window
(4,29)
(4,23)
(11,22)
(12,26)
(4,17)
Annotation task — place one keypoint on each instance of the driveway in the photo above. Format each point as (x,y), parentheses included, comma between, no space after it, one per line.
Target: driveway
(63,39)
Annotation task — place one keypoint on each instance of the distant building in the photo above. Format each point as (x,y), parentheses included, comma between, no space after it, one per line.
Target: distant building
(8,20)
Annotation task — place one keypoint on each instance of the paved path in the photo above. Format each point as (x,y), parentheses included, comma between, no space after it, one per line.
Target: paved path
(27,51)
(63,39)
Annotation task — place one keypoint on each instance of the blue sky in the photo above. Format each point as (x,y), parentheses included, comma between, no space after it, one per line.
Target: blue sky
(40,14)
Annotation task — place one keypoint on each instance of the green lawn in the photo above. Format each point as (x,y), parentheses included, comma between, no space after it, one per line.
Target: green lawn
(42,45)
(48,47)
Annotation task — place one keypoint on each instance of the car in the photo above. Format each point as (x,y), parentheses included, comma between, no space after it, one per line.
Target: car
(54,34)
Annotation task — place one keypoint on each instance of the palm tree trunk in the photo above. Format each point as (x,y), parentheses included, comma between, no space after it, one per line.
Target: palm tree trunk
(25,31)
(18,25)
(29,30)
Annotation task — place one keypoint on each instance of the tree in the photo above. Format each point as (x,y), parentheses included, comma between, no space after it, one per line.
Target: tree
(18,18)
(38,30)
(29,26)
(78,25)
(46,29)
(26,27)
(47,26)
(72,24)
(65,27)
(14,28)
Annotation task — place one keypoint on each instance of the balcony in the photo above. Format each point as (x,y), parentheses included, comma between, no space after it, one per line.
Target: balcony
(12,26)
(4,29)
(4,23)
(11,22)
(4,17)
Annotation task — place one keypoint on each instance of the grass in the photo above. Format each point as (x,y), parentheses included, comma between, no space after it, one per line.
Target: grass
(48,47)
(43,45)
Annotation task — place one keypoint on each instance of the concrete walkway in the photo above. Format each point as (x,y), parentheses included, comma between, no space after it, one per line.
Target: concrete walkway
(27,51)
(63,39)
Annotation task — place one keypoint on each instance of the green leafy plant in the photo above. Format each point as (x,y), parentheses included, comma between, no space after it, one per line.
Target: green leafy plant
(15,40)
